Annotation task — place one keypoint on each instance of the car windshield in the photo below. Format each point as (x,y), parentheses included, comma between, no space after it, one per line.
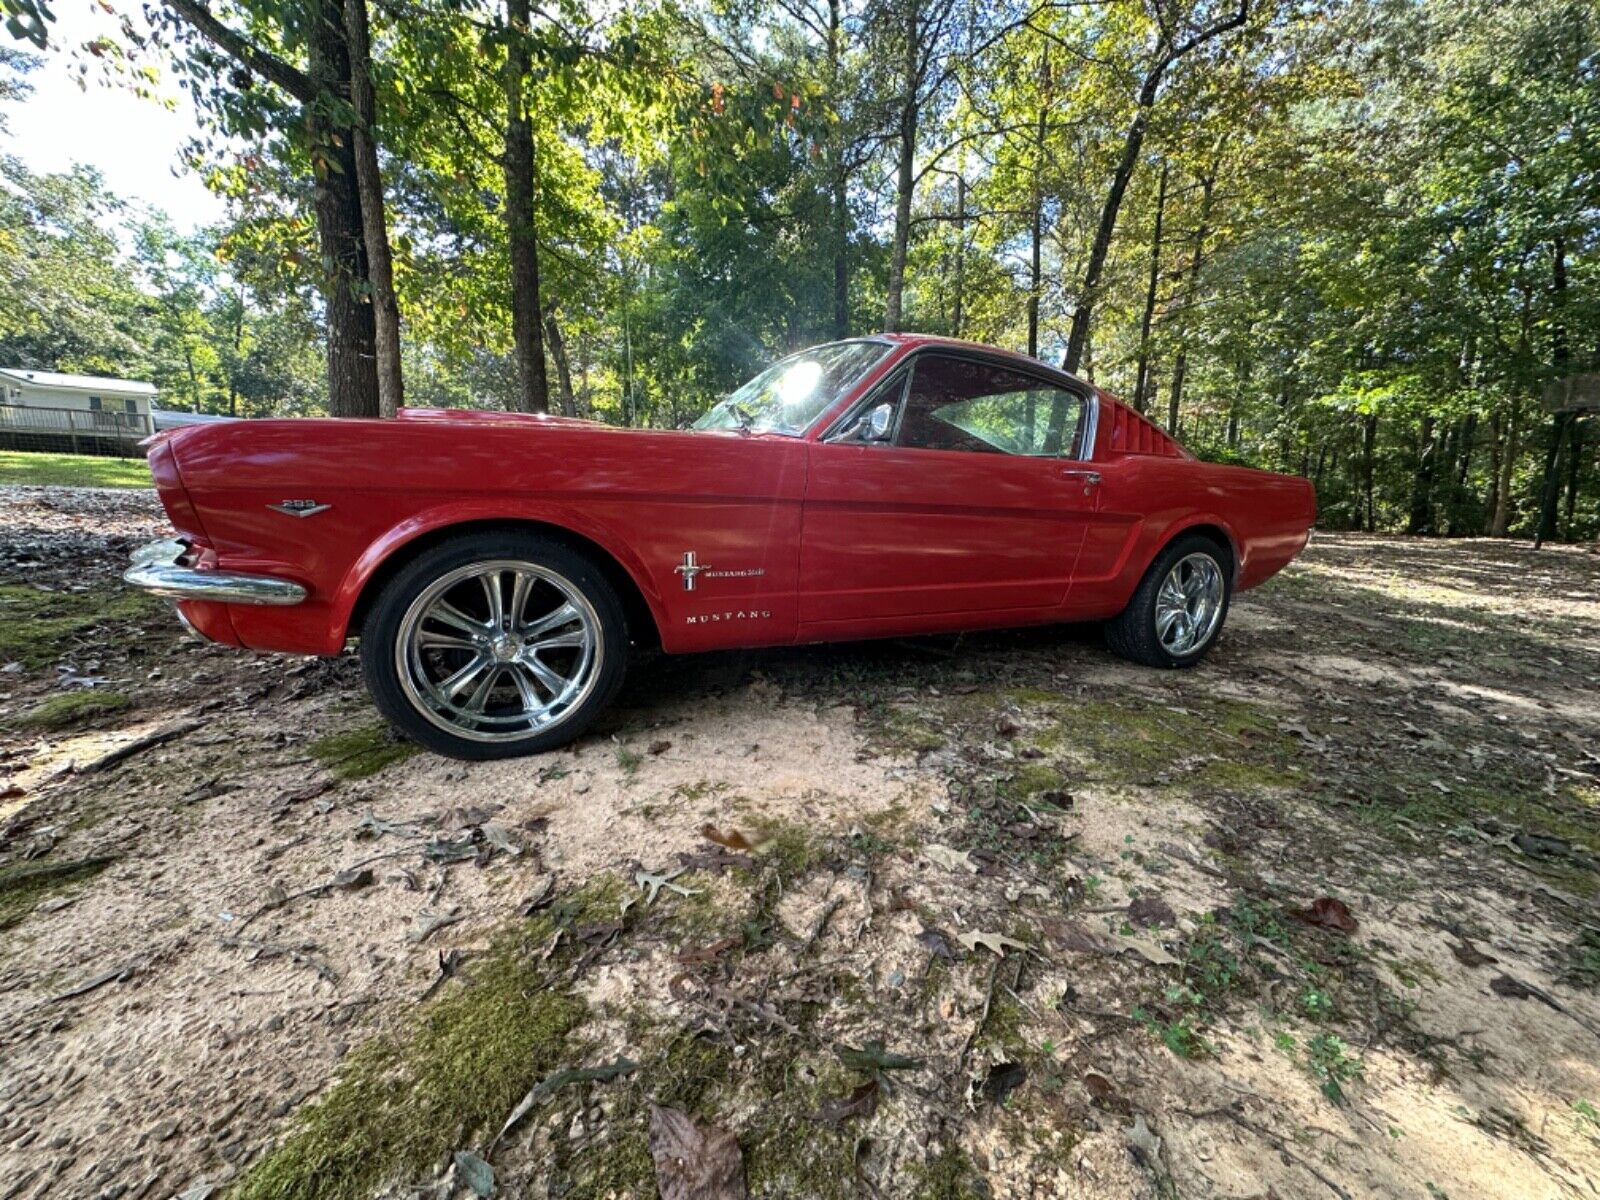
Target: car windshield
(791,394)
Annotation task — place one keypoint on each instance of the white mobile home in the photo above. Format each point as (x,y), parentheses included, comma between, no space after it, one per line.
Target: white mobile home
(47,410)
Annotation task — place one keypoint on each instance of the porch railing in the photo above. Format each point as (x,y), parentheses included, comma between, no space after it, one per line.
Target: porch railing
(28,427)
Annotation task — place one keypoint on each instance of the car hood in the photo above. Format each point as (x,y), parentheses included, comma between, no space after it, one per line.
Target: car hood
(475,416)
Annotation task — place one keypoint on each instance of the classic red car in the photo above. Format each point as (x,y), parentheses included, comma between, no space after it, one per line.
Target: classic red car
(498,568)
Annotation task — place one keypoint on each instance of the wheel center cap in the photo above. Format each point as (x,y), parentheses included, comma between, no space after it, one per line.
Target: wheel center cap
(506,647)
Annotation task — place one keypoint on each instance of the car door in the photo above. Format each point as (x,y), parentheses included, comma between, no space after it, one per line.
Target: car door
(969,508)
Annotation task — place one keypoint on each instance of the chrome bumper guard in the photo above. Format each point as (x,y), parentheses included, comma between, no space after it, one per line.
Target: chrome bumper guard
(156,569)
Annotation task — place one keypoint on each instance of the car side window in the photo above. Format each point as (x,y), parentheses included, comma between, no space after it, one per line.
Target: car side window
(961,404)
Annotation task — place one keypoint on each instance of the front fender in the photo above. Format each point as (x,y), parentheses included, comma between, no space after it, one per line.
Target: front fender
(554,515)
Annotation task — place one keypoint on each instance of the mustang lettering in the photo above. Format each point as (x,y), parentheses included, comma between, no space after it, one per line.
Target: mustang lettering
(497,569)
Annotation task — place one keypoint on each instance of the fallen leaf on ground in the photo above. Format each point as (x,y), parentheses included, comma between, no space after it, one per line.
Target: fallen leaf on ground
(661,747)
(950,860)
(374,827)
(1103,1094)
(1146,1144)
(1069,935)
(1150,911)
(1505,985)
(936,941)
(1151,952)
(496,836)
(1004,1078)
(715,859)
(872,1058)
(653,881)
(731,840)
(354,879)
(1326,912)
(862,1102)
(698,954)
(448,850)
(1469,955)
(429,923)
(694,1161)
(542,1091)
(542,894)
(476,1174)
(995,943)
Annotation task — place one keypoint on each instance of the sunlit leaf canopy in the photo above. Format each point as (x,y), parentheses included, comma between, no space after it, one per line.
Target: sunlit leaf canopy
(1357,240)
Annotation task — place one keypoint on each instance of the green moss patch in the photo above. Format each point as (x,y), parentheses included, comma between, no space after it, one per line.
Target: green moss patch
(72,708)
(361,752)
(1131,741)
(403,1103)
(23,887)
(39,627)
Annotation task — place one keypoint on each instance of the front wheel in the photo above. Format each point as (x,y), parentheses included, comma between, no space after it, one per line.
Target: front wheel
(495,645)
(1178,610)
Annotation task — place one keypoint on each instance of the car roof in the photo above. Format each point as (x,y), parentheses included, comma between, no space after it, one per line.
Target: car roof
(921,340)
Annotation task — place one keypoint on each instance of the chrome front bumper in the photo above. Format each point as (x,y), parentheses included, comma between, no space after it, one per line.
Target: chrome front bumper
(157,570)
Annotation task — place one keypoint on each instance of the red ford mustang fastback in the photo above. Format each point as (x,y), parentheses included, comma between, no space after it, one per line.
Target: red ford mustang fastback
(498,567)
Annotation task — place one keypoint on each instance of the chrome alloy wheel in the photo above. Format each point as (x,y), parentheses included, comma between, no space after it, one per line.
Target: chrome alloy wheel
(1189,604)
(494,651)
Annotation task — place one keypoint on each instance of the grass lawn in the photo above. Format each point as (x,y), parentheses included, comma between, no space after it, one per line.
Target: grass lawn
(73,470)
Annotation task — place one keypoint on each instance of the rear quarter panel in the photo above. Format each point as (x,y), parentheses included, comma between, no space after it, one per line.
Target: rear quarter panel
(1146,501)
(645,497)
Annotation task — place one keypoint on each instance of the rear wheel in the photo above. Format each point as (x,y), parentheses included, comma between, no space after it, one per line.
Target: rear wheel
(495,645)
(1180,605)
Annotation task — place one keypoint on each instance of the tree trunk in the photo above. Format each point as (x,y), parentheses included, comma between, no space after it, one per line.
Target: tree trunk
(1036,228)
(1132,142)
(1191,290)
(1421,518)
(1500,525)
(1180,367)
(1559,357)
(374,227)
(957,314)
(352,374)
(1369,443)
(1141,387)
(558,352)
(841,183)
(352,349)
(905,174)
(1497,437)
(1574,470)
(1552,480)
(1100,250)
(533,391)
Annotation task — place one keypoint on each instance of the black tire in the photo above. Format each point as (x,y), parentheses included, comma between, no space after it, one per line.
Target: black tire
(1132,633)
(393,616)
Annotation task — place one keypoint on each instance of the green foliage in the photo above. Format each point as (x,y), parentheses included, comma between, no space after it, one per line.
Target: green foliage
(1376,241)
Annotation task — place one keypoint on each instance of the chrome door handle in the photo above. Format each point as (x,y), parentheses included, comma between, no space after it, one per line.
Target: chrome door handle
(1090,478)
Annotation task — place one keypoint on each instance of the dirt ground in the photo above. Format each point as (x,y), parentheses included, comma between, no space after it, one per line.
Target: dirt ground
(985,916)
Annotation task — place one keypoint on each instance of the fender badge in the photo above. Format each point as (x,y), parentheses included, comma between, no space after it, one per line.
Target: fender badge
(299,508)
(690,567)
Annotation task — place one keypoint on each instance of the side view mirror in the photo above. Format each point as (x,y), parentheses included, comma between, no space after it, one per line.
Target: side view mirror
(874,424)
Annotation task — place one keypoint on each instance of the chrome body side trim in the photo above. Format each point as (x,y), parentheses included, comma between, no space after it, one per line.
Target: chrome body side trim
(157,569)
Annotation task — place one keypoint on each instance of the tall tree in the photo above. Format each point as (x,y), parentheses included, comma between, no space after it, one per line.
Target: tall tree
(533,391)
(321,91)
(1175,40)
